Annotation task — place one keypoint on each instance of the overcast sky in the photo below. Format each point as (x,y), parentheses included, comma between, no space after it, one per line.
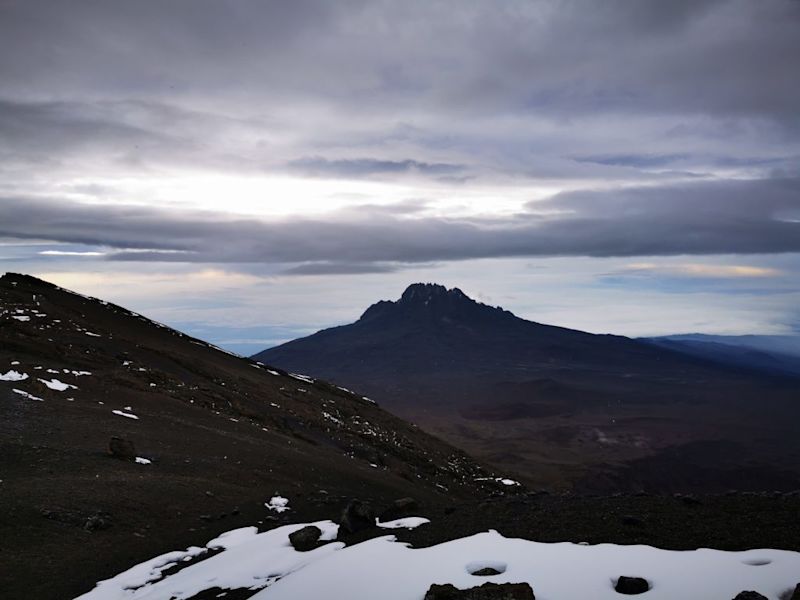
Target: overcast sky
(253,171)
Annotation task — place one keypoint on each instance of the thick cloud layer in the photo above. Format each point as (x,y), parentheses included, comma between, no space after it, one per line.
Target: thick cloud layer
(495,129)
(756,216)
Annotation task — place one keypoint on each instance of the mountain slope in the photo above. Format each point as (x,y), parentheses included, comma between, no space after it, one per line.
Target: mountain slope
(560,407)
(222,435)
(773,354)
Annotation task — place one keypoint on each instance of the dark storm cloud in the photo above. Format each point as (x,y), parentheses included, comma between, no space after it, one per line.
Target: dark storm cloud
(405,87)
(97,91)
(566,56)
(757,216)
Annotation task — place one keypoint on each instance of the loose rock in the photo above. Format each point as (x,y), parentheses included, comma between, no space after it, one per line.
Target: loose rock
(402,507)
(631,585)
(357,517)
(121,448)
(488,591)
(486,572)
(305,539)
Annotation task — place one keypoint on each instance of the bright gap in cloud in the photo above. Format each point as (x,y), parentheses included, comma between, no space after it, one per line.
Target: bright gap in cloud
(270,196)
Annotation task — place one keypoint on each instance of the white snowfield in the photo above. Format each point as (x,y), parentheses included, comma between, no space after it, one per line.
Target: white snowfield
(394,571)
(250,560)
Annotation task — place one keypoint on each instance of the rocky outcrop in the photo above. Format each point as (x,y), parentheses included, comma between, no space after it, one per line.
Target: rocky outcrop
(488,591)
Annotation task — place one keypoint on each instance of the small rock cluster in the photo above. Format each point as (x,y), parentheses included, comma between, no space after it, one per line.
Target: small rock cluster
(487,591)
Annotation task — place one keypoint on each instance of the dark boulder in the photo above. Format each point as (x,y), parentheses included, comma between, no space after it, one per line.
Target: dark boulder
(488,591)
(631,585)
(121,448)
(750,596)
(486,572)
(632,521)
(358,516)
(305,539)
(796,594)
(402,507)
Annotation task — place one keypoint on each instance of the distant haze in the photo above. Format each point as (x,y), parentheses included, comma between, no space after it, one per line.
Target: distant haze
(253,171)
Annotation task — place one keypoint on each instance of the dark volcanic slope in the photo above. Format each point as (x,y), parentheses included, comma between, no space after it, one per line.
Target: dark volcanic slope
(558,406)
(223,434)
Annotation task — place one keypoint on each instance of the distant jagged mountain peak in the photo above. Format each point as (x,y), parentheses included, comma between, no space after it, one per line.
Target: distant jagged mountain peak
(422,292)
(432,300)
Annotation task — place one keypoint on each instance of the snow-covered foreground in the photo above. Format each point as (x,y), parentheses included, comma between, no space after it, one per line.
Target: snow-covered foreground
(394,571)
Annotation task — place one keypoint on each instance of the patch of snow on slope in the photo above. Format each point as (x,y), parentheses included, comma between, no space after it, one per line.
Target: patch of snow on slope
(255,560)
(59,386)
(124,414)
(305,378)
(403,573)
(249,560)
(404,523)
(502,480)
(278,503)
(13,376)
(25,394)
(22,318)
(143,461)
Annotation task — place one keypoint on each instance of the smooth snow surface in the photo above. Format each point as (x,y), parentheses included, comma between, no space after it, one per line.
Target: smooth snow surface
(405,523)
(13,376)
(59,386)
(249,560)
(562,571)
(395,571)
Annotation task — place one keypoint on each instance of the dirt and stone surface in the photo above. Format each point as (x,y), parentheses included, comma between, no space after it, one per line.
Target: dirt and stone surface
(223,435)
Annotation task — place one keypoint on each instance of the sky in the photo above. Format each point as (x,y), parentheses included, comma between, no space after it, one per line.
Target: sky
(253,171)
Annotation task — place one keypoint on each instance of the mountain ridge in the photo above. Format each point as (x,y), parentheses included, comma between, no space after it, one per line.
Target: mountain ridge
(214,435)
(468,371)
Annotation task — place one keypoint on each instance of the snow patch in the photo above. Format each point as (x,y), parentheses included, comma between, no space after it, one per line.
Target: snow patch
(252,560)
(59,386)
(404,523)
(25,394)
(143,461)
(124,414)
(13,376)
(305,378)
(501,480)
(278,503)
(248,560)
